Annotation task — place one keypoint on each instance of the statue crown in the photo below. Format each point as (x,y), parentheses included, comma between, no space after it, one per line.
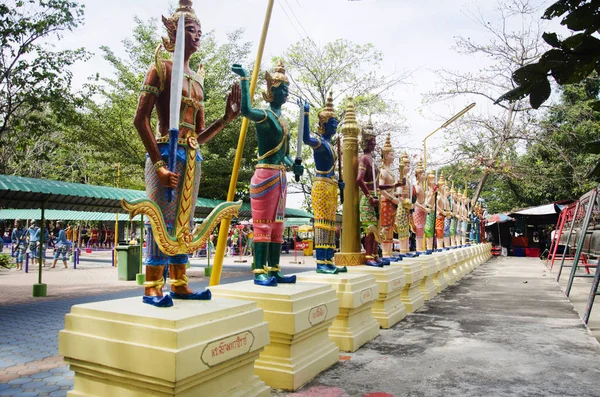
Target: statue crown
(326,114)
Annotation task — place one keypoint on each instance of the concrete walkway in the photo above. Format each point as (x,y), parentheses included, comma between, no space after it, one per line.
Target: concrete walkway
(504,330)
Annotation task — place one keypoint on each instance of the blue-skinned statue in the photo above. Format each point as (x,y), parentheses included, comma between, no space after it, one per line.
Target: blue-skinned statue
(325,185)
(268,186)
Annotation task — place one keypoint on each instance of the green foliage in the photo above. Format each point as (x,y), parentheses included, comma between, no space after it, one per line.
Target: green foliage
(33,78)
(5,260)
(569,61)
(555,163)
(351,72)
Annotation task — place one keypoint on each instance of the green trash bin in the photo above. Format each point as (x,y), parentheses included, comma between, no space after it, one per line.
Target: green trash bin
(128,261)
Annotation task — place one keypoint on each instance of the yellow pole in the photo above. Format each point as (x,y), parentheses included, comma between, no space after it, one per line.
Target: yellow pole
(446,124)
(215,278)
(116,220)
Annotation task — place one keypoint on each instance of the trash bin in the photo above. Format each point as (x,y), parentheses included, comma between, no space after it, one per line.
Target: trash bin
(308,247)
(128,261)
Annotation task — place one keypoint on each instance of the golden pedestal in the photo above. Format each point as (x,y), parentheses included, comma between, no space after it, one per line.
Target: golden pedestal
(349,259)
(439,280)
(472,258)
(461,270)
(430,269)
(411,295)
(127,348)
(357,293)
(388,309)
(450,272)
(299,316)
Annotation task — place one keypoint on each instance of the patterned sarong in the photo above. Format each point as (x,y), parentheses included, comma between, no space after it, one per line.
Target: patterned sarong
(439,227)
(419,217)
(429,225)
(368,215)
(268,188)
(447,223)
(157,193)
(453,224)
(324,203)
(402,222)
(388,216)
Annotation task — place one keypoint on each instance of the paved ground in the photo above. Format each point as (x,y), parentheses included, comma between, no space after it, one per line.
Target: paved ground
(504,330)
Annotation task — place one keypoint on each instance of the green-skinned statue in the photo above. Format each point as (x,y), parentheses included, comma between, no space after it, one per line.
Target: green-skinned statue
(268,186)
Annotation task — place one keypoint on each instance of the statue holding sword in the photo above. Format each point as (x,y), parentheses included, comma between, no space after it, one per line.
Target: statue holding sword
(173,160)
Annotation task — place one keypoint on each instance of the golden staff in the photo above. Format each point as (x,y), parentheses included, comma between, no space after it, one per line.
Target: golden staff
(446,124)
(215,278)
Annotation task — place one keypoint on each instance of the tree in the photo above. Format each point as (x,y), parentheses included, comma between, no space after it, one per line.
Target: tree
(350,71)
(556,165)
(488,140)
(107,122)
(569,61)
(33,79)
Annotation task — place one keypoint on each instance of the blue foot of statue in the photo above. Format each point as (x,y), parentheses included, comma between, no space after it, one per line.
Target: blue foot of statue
(385,261)
(342,269)
(264,280)
(428,252)
(327,269)
(197,296)
(394,258)
(280,278)
(411,254)
(158,301)
(372,262)
(439,250)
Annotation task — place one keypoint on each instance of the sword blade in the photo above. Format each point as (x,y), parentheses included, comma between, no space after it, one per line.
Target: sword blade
(177,74)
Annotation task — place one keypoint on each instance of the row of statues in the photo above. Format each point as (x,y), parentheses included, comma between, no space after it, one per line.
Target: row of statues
(173,165)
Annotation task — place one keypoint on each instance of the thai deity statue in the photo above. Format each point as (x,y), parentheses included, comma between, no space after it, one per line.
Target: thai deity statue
(325,185)
(447,214)
(440,211)
(173,159)
(421,208)
(454,207)
(403,217)
(465,218)
(388,202)
(369,203)
(459,219)
(268,186)
(430,219)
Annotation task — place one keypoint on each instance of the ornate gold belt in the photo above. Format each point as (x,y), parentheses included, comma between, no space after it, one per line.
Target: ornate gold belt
(326,179)
(271,166)
(185,141)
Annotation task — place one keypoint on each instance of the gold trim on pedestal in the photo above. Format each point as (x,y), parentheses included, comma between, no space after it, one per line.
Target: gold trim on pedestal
(349,259)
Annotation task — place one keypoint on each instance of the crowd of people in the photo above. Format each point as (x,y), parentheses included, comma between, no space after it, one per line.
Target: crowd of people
(56,236)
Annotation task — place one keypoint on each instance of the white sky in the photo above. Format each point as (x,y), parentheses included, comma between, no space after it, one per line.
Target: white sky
(414,35)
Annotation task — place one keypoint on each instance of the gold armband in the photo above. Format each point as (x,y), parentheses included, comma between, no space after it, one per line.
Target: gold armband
(150,89)
(262,121)
(159,164)
(244,78)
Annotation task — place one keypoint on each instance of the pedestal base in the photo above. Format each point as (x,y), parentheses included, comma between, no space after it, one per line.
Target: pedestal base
(430,269)
(411,295)
(349,259)
(388,309)
(299,316)
(439,280)
(357,293)
(196,348)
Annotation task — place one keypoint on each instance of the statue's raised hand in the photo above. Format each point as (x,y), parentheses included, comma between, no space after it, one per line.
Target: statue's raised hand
(239,70)
(234,103)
